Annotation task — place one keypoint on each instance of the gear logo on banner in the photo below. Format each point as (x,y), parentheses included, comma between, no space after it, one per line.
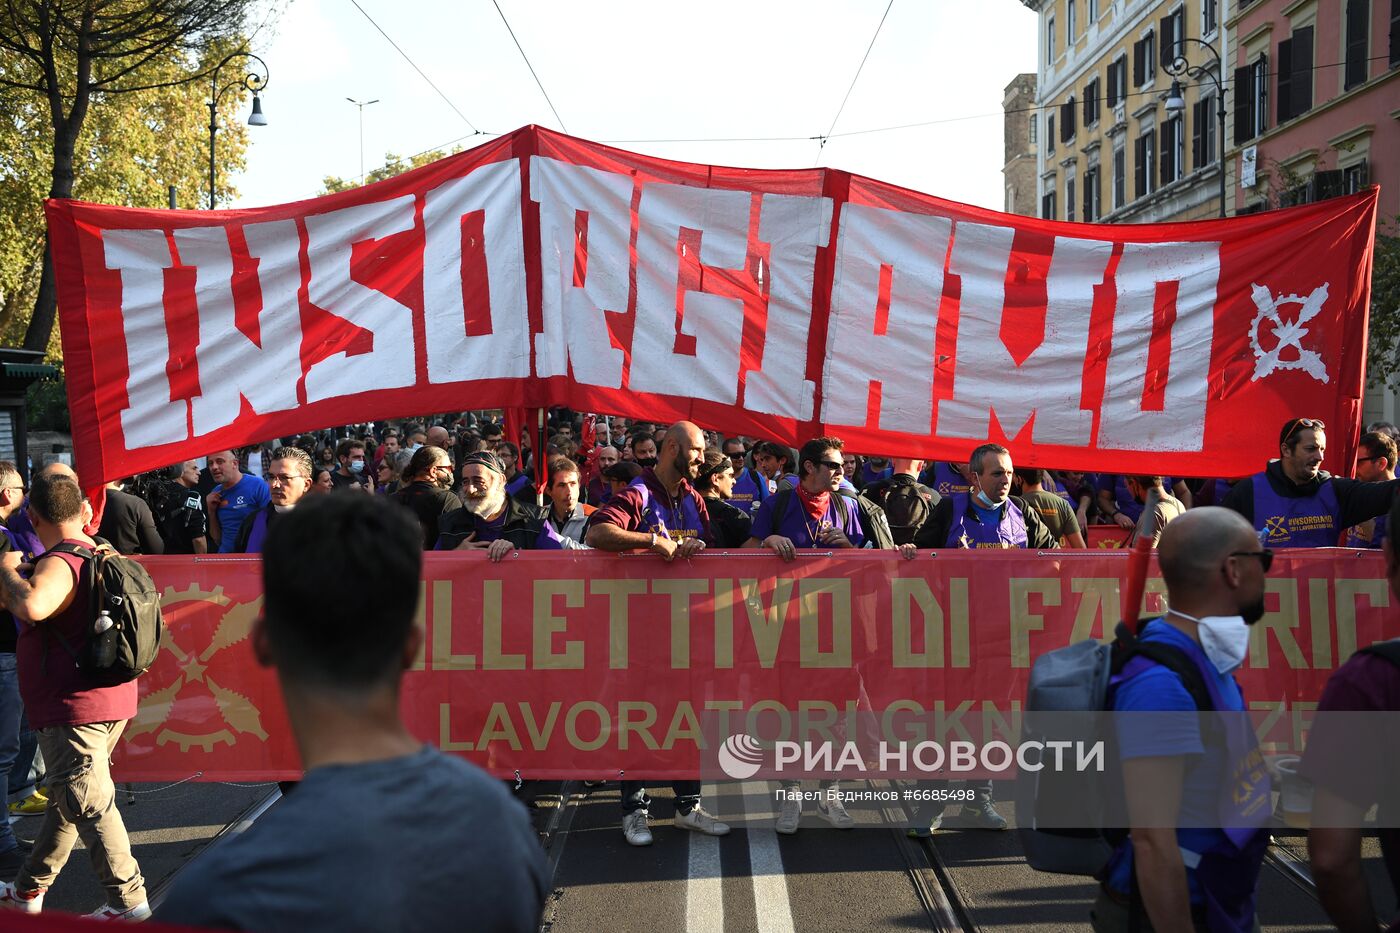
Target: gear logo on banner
(192,697)
(1276,528)
(1287,334)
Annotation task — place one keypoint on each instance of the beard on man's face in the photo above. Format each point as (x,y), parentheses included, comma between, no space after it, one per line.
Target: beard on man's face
(487,504)
(1253,612)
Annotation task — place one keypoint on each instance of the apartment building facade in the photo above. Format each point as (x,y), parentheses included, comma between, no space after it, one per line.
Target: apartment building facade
(1111,149)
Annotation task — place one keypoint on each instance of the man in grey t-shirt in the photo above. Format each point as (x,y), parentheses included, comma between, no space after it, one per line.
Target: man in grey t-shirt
(357,847)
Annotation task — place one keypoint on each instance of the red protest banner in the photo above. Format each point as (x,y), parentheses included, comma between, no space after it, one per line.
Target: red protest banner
(578,664)
(541,269)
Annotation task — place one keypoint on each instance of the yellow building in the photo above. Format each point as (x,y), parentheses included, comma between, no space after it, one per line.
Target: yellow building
(1114,146)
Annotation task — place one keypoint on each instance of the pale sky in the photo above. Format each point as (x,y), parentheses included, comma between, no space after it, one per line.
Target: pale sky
(647,70)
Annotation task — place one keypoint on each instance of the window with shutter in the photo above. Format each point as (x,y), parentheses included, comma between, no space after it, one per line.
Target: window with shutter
(1328,185)
(1198,158)
(1394,33)
(1259,82)
(1210,16)
(1244,104)
(1358,14)
(1120,177)
(1210,126)
(1091,102)
(1354,178)
(1285,79)
(1139,62)
(1164,155)
(1050,133)
(1067,120)
(1169,39)
(1300,85)
(1149,59)
(1069,199)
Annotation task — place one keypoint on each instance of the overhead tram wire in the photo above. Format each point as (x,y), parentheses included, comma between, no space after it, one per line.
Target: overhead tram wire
(558,119)
(822,144)
(421,73)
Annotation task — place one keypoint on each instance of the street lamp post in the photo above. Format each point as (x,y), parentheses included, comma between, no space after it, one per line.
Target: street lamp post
(252,81)
(1176,103)
(362,105)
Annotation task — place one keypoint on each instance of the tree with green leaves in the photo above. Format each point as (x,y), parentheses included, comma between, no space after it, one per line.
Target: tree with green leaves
(66,59)
(393,165)
(1383,350)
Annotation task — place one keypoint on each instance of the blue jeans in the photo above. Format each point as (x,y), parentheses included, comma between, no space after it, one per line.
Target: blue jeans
(11,711)
(634,796)
(27,773)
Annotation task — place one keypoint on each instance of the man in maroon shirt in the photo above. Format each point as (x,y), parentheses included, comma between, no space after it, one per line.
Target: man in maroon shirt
(661,512)
(1352,758)
(78,723)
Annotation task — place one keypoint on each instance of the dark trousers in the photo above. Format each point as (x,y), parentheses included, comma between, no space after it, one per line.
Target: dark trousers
(634,796)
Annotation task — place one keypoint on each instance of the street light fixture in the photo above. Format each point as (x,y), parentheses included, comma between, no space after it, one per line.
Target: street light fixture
(252,81)
(362,106)
(1176,101)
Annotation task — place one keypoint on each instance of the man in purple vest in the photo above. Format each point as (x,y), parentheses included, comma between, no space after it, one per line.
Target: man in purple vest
(988,516)
(1295,503)
(811,514)
(1197,793)
(1375,463)
(288,479)
(661,512)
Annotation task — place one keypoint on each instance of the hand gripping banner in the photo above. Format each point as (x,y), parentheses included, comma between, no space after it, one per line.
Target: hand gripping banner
(541,269)
(579,664)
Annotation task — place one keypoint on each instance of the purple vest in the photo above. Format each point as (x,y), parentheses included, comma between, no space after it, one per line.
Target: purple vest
(1357,537)
(1123,498)
(948,481)
(257,532)
(801,529)
(1228,872)
(1311,521)
(967,532)
(520,482)
(750,489)
(660,519)
(868,476)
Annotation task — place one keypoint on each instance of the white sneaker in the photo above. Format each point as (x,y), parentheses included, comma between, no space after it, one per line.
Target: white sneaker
(634,827)
(12,899)
(701,822)
(136,912)
(834,812)
(789,816)
(141,911)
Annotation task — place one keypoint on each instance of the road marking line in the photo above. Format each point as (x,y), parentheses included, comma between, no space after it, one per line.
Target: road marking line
(704,892)
(772,906)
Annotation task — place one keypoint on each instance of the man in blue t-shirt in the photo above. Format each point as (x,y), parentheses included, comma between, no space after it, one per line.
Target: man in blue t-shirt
(237,496)
(1198,799)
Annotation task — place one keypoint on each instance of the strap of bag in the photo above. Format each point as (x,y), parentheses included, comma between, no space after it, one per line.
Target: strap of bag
(89,555)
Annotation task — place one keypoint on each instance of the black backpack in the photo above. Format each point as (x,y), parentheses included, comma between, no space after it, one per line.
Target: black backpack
(124,635)
(907,507)
(1076,679)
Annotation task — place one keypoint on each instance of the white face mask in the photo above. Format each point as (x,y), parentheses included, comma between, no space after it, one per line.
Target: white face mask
(1225,639)
(986,501)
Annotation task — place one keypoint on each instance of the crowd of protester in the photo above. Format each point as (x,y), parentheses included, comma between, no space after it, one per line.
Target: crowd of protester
(457,482)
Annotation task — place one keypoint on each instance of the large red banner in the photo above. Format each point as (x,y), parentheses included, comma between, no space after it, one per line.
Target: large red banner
(541,269)
(580,664)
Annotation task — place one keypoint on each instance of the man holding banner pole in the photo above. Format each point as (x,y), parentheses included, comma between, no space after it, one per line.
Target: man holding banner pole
(661,512)
(1295,503)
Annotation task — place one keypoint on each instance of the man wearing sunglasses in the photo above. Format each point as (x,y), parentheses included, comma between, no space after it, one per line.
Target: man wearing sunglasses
(1375,463)
(750,487)
(1178,773)
(1295,503)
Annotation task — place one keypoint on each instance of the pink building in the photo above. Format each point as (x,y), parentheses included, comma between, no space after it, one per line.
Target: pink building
(1316,102)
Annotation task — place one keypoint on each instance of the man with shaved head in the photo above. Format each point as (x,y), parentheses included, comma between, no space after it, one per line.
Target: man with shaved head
(1177,773)
(661,512)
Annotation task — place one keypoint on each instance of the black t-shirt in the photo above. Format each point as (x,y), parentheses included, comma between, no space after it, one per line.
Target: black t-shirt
(729,526)
(429,503)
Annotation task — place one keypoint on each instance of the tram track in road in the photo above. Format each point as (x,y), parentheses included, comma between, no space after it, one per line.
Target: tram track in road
(933,881)
(1296,870)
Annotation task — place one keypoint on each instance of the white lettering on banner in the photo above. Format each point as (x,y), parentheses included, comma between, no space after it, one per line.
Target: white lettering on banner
(716,323)
(1049,382)
(453,354)
(1124,425)
(575,326)
(331,239)
(232,366)
(794,227)
(900,358)
(152,417)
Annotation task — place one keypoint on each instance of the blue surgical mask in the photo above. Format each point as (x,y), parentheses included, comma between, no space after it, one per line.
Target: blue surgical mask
(357,467)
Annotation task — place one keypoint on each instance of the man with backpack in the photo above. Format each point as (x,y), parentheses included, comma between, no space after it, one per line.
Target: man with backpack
(78,721)
(1200,773)
(907,503)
